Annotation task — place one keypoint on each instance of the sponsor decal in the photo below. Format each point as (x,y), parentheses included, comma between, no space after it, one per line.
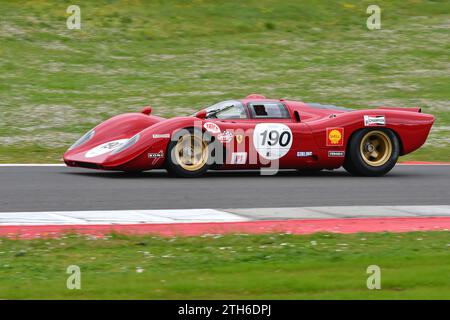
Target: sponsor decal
(225,136)
(238,157)
(338,154)
(211,127)
(159,154)
(303,154)
(105,148)
(370,121)
(239,138)
(161,135)
(335,137)
(272,140)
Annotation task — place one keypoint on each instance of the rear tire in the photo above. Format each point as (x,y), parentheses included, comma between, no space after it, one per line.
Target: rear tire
(348,166)
(372,152)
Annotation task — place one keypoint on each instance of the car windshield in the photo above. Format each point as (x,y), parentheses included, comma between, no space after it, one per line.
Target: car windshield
(226,110)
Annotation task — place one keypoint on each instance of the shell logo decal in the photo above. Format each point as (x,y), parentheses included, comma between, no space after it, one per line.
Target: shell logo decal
(335,137)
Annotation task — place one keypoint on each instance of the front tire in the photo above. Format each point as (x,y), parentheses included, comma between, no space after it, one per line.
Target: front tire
(372,152)
(188,154)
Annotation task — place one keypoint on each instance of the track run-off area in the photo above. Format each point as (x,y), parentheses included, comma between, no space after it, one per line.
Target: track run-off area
(39,200)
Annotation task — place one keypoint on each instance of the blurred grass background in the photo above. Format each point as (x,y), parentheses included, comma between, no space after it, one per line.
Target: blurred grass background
(271,266)
(178,56)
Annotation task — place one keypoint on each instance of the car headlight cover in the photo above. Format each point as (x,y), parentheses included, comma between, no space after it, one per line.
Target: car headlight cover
(85,138)
(127,144)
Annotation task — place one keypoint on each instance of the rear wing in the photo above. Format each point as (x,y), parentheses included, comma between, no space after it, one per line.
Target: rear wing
(419,110)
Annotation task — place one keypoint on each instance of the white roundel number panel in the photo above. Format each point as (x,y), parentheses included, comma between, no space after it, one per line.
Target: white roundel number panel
(272,140)
(105,148)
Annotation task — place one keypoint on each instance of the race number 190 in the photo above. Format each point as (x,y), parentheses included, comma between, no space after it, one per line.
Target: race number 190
(275,138)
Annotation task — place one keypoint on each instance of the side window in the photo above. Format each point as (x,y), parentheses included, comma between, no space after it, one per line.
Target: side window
(269,110)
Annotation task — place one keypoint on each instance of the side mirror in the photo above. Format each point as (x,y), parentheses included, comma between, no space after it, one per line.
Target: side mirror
(201,114)
(147,110)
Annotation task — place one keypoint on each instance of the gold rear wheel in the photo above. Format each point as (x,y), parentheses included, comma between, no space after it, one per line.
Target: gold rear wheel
(191,152)
(376,148)
(372,152)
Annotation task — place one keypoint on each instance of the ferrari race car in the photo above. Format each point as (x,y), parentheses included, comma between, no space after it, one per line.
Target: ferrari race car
(254,133)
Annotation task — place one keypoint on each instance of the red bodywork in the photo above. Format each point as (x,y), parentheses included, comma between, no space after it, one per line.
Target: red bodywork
(316,131)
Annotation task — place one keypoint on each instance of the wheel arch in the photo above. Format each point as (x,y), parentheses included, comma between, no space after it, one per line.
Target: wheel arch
(204,131)
(391,129)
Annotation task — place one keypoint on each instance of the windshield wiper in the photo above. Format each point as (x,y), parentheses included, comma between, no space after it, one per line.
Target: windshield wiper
(215,111)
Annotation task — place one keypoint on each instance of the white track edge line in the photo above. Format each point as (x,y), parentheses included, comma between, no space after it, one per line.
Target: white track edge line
(168,216)
(110,217)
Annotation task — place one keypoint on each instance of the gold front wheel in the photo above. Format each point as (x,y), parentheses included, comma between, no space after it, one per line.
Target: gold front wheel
(191,152)
(376,148)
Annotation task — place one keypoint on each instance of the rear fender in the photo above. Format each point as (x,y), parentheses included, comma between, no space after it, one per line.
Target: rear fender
(412,128)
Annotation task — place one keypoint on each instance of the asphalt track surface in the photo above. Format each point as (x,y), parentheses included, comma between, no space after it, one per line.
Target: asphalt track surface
(62,188)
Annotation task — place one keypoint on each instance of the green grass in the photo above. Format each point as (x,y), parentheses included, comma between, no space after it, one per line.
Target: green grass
(178,56)
(277,266)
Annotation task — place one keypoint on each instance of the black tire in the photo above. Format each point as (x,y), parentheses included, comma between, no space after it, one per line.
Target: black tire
(349,167)
(359,156)
(179,170)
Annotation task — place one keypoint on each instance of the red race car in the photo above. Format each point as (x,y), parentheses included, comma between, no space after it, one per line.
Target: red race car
(254,133)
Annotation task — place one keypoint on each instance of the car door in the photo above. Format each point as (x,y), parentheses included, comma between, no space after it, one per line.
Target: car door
(278,134)
(268,132)
(231,126)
